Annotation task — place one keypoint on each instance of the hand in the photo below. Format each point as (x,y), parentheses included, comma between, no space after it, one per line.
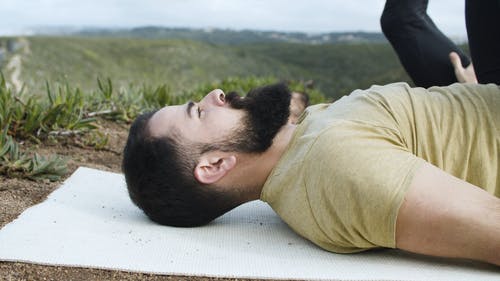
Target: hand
(464,75)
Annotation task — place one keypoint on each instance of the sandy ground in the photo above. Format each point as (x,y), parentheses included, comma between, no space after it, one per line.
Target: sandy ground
(16,195)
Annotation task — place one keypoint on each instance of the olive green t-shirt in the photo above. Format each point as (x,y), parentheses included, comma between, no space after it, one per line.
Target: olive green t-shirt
(344,175)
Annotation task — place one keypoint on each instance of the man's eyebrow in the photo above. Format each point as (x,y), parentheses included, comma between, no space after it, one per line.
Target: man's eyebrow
(188,108)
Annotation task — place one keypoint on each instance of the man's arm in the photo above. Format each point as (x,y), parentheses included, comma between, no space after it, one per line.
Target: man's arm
(444,216)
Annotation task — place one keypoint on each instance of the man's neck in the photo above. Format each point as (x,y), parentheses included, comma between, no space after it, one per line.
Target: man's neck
(254,169)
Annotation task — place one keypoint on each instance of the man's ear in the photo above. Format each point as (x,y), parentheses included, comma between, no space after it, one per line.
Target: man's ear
(213,166)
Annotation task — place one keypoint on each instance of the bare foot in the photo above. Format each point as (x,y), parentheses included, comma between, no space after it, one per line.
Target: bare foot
(464,75)
(297,105)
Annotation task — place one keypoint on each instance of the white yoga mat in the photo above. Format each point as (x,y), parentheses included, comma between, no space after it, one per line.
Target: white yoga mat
(90,222)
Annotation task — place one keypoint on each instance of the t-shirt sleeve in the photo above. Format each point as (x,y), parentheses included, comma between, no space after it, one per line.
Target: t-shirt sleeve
(357,176)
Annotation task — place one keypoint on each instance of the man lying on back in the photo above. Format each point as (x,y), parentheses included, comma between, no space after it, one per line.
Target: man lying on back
(392,166)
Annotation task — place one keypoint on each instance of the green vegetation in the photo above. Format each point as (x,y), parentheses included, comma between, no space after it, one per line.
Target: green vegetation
(336,69)
(28,117)
(182,65)
(24,119)
(16,163)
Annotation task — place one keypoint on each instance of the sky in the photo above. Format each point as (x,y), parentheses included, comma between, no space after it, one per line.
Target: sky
(312,16)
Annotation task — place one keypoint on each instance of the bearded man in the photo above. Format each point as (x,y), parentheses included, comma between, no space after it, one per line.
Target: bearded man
(392,166)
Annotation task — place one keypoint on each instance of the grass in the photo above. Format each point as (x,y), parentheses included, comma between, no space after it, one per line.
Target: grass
(132,63)
(184,65)
(26,116)
(16,163)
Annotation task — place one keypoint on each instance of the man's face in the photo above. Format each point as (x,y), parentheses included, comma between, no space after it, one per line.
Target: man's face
(229,123)
(200,122)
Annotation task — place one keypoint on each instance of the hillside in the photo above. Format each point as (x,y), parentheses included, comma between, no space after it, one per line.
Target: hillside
(181,64)
(337,69)
(217,35)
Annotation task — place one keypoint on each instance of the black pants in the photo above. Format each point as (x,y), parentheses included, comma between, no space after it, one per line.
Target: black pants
(423,49)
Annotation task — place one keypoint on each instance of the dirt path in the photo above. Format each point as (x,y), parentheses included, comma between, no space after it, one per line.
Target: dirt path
(15,66)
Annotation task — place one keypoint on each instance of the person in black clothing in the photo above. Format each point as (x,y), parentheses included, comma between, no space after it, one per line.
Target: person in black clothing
(429,57)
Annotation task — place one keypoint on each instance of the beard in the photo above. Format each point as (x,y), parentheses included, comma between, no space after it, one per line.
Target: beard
(266,110)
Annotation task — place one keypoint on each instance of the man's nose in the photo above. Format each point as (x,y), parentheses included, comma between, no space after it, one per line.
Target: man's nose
(218,97)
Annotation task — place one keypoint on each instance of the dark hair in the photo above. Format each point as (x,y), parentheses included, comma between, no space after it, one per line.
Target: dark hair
(160,180)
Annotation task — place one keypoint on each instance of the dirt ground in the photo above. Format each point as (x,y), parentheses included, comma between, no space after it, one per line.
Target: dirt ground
(16,195)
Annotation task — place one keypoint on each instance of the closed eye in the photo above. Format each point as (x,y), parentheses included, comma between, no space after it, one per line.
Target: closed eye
(199,112)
